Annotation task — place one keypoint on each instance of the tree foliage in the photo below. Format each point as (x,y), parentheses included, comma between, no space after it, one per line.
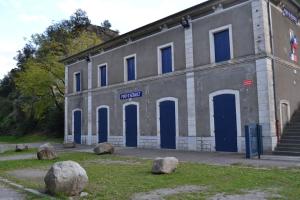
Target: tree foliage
(34,91)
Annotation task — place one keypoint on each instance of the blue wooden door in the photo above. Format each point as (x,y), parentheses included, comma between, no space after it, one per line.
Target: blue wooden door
(102,125)
(77,127)
(225,123)
(131,127)
(222,46)
(167,125)
(166,59)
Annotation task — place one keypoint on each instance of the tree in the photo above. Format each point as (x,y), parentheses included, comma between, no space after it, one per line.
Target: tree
(34,92)
(106,24)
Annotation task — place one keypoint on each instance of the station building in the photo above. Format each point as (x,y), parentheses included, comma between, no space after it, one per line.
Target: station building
(190,81)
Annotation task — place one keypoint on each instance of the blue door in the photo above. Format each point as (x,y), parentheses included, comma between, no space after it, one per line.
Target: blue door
(102,125)
(77,127)
(167,125)
(225,123)
(131,125)
(222,46)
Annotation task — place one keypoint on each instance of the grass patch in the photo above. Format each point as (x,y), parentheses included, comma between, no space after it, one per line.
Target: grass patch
(13,152)
(31,138)
(121,181)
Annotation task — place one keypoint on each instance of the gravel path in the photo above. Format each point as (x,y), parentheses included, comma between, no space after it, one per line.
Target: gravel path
(18,157)
(10,194)
(161,193)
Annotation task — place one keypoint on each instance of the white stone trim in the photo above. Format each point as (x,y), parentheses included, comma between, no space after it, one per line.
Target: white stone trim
(138,121)
(73,128)
(148,142)
(212,41)
(266,102)
(190,87)
(66,120)
(125,67)
(236,93)
(158,118)
(183,143)
(206,144)
(69,139)
(284,101)
(261,26)
(97,121)
(99,76)
(116,140)
(159,60)
(94,139)
(74,82)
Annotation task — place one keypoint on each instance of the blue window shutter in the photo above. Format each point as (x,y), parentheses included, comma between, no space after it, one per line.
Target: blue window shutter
(131,69)
(166,60)
(222,46)
(103,76)
(78,82)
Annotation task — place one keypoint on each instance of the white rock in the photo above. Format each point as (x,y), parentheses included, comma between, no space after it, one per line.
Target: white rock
(66,177)
(104,148)
(46,152)
(21,147)
(164,165)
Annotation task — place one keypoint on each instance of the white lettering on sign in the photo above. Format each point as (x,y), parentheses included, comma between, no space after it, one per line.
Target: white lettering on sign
(131,95)
(290,15)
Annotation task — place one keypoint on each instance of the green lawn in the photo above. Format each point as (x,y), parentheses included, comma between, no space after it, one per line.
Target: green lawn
(120,181)
(31,138)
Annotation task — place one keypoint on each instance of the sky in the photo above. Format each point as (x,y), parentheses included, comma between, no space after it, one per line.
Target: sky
(19,19)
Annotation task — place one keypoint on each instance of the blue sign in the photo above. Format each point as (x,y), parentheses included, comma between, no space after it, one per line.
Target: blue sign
(290,15)
(131,95)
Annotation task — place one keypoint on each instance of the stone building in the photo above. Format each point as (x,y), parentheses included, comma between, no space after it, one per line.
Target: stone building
(190,81)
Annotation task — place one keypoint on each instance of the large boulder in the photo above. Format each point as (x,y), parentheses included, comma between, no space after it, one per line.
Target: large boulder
(67,178)
(46,152)
(104,148)
(164,165)
(21,147)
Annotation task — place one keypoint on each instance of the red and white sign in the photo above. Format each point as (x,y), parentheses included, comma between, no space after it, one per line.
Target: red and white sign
(248,82)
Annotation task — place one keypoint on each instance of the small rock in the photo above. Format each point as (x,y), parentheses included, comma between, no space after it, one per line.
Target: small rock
(46,152)
(104,148)
(66,177)
(21,147)
(84,194)
(69,145)
(164,165)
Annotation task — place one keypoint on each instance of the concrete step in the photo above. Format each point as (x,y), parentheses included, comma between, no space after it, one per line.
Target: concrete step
(291,134)
(289,149)
(289,141)
(286,153)
(290,137)
(289,145)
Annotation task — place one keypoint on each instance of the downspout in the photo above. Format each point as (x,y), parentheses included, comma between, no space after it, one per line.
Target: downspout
(273,69)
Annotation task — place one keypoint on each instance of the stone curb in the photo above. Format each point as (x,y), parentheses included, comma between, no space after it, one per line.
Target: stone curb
(21,187)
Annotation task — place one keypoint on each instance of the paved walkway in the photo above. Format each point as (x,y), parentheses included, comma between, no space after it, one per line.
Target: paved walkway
(215,158)
(9,194)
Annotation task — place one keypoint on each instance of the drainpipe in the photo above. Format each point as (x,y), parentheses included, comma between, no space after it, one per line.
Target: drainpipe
(273,69)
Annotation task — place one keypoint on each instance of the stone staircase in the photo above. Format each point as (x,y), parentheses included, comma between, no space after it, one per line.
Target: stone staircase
(289,144)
